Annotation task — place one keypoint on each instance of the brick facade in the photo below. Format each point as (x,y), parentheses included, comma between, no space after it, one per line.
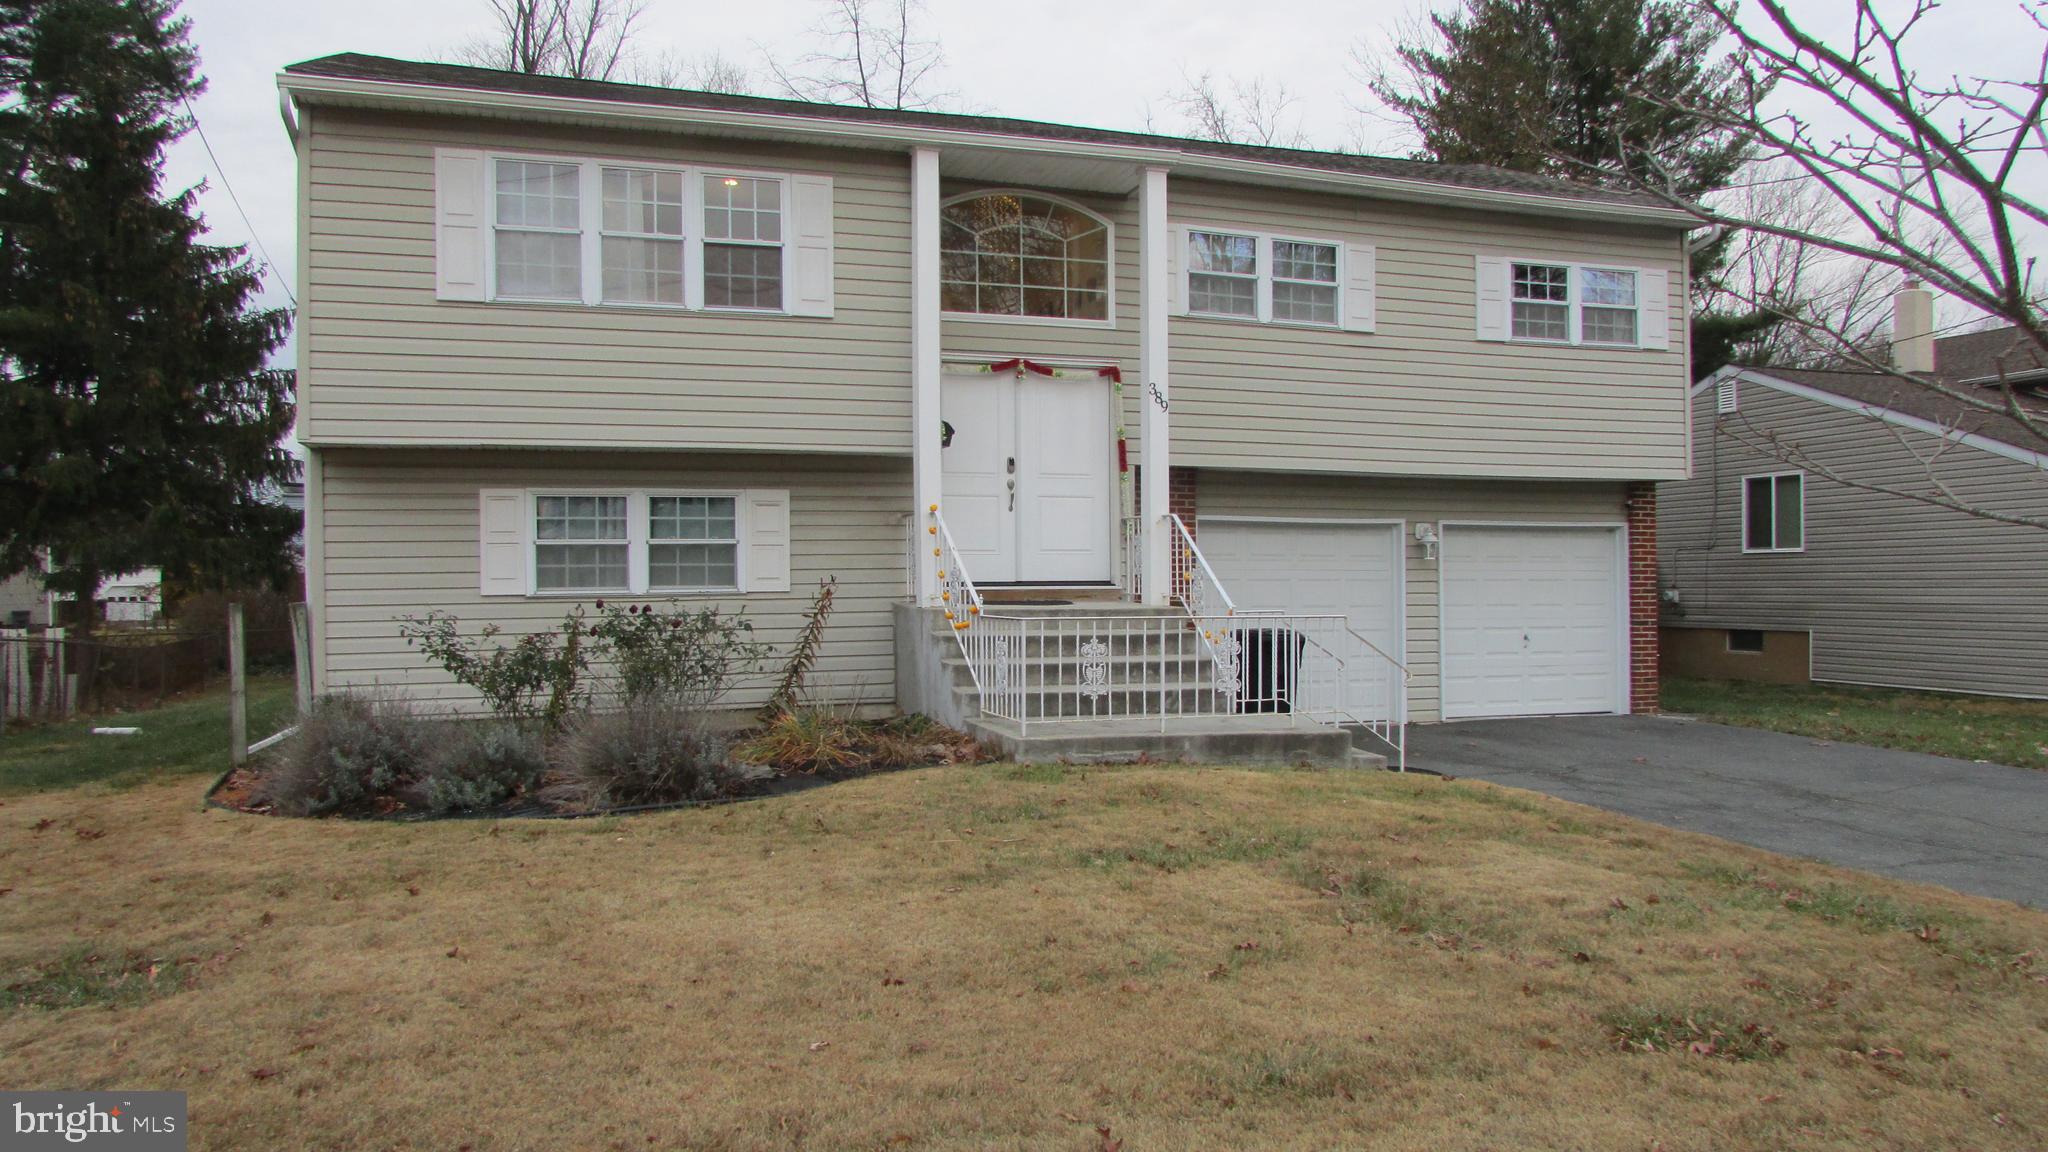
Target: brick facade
(1643,606)
(1180,492)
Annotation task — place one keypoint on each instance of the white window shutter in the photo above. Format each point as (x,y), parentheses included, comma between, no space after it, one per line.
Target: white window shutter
(461,222)
(1653,288)
(1492,288)
(1177,271)
(1361,301)
(811,201)
(767,539)
(501,559)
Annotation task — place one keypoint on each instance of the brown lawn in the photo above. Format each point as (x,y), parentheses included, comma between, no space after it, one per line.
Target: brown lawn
(1012,958)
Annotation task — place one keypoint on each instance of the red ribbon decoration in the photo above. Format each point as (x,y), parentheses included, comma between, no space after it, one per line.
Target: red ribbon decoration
(1018,363)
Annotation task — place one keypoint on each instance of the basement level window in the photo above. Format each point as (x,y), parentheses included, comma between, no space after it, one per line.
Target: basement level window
(1745,640)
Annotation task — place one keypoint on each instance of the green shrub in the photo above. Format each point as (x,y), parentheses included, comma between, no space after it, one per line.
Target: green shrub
(349,750)
(470,767)
(537,678)
(644,754)
(680,659)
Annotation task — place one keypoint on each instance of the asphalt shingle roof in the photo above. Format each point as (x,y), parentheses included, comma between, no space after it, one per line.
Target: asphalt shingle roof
(356,66)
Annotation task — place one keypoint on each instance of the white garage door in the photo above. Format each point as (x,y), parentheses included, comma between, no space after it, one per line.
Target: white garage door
(1531,621)
(1348,570)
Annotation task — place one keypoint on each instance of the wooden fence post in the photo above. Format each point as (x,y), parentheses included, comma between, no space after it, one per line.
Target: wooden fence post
(302,655)
(238,691)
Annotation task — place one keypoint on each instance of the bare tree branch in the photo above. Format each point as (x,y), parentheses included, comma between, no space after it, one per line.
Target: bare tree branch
(1917,173)
(1238,111)
(870,53)
(584,39)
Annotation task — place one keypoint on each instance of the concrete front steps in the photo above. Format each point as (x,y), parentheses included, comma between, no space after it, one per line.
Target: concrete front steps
(1062,725)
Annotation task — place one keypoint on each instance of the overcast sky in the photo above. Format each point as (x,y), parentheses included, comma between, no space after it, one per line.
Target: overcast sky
(1106,63)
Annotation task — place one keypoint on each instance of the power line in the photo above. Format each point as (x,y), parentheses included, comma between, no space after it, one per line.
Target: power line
(268,263)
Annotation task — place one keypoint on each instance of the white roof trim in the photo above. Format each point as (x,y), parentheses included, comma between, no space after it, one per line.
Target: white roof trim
(2011,452)
(447,98)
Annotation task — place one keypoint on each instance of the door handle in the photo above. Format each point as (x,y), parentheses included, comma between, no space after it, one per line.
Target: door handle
(1013,494)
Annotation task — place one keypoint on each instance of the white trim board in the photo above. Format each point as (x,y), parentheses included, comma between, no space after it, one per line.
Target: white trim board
(1983,443)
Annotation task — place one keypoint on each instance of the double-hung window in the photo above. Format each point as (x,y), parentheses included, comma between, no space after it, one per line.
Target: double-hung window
(580,543)
(539,230)
(1542,302)
(693,542)
(1304,282)
(1223,274)
(1572,304)
(1607,313)
(1774,513)
(742,242)
(642,248)
(596,233)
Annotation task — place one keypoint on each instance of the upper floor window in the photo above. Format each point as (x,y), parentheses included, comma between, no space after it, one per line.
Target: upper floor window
(1253,277)
(643,236)
(1304,282)
(1774,513)
(1546,298)
(1223,274)
(742,242)
(1012,254)
(540,230)
(594,232)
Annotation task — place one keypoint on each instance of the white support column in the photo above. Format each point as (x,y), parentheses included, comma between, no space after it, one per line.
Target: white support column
(1156,435)
(925,466)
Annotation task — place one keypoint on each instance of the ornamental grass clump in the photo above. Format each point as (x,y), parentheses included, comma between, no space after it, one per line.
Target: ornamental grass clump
(647,754)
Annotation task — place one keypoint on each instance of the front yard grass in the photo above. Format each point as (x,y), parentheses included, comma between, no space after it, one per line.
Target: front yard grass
(186,735)
(1003,957)
(1989,728)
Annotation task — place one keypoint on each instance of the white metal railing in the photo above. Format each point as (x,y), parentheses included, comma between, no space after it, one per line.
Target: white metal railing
(1049,669)
(1194,583)
(1133,581)
(957,594)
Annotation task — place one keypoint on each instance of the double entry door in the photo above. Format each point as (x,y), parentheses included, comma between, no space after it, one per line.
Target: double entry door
(1027,481)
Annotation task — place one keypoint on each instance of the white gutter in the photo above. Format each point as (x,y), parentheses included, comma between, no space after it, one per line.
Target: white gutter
(294,86)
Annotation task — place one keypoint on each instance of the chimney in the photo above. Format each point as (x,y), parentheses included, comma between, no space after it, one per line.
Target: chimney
(1913,328)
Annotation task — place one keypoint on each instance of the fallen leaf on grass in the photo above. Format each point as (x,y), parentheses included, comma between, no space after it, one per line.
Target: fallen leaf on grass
(1109,1145)
(262,1073)
(42,824)
(820,1045)
(455,953)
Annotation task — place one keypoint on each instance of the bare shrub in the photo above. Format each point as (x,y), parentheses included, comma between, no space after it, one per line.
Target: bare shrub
(468,767)
(644,754)
(349,750)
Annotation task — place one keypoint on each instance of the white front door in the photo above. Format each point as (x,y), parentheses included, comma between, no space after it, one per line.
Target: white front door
(1027,480)
(1531,621)
(1348,570)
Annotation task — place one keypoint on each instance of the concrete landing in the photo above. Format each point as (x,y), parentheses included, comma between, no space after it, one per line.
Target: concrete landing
(1208,740)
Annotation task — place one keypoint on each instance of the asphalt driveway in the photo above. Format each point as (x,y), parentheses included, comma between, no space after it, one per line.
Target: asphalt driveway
(1980,828)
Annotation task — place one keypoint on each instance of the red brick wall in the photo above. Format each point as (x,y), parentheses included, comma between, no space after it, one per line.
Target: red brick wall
(1180,496)
(1180,492)
(1643,607)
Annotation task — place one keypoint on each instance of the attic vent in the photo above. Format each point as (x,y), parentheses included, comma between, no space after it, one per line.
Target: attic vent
(1725,397)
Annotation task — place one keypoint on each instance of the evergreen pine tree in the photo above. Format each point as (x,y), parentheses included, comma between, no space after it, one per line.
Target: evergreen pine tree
(140,423)
(1561,87)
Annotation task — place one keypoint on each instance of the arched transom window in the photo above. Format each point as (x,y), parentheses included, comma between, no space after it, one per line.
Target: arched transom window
(1012,254)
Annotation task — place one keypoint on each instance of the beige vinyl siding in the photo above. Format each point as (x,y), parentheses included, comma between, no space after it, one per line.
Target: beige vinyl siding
(1422,394)
(1235,493)
(399,531)
(388,364)
(1894,591)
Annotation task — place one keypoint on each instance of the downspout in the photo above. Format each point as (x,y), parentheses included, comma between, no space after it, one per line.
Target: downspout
(290,116)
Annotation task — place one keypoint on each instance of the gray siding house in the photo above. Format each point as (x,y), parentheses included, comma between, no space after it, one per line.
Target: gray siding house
(562,340)
(1778,563)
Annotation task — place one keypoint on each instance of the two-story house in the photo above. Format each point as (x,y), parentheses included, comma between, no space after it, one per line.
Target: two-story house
(563,340)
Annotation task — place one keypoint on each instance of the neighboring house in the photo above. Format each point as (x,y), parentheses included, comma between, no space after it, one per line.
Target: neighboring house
(22,602)
(562,340)
(1776,565)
